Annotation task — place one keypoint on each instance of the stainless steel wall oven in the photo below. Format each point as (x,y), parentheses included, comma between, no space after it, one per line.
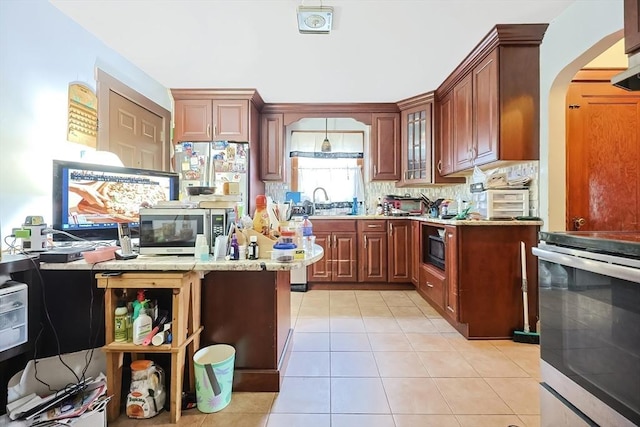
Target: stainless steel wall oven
(589,293)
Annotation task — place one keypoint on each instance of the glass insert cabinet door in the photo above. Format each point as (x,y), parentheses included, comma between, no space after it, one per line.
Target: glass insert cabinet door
(417,144)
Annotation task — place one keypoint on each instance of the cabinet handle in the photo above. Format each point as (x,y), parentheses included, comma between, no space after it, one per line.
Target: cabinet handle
(390,229)
(365,241)
(280,170)
(208,131)
(429,285)
(215,130)
(439,167)
(374,225)
(335,241)
(375,170)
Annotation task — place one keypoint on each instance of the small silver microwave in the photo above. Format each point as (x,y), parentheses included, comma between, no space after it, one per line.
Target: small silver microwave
(168,231)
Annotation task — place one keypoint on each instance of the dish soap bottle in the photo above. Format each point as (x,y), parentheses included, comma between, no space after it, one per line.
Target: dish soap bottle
(142,323)
(235,250)
(120,320)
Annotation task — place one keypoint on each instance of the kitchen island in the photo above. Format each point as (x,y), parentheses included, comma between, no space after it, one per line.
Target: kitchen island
(242,303)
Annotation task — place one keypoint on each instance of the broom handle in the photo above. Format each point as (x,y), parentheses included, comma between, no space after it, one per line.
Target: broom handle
(525,301)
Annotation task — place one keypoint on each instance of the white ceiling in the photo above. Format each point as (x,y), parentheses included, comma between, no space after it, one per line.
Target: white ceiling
(378,50)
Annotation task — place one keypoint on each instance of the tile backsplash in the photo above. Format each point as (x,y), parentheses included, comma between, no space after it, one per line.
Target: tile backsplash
(376,189)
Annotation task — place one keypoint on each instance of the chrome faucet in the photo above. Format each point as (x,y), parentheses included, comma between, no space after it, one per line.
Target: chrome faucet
(326,198)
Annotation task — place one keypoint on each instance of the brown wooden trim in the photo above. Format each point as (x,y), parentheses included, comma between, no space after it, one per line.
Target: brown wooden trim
(106,83)
(416,101)
(358,111)
(596,75)
(500,35)
(248,93)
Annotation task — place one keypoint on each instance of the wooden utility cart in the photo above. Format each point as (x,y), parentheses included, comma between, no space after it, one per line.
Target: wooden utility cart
(185,326)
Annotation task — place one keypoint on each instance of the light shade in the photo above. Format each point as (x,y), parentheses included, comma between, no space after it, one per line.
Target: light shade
(314,20)
(326,145)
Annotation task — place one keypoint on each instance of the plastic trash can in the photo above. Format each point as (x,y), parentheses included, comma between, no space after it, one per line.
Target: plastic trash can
(213,369)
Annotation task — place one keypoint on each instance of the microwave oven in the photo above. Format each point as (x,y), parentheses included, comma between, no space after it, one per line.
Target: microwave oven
(404,205)
(435,251)
(168,231)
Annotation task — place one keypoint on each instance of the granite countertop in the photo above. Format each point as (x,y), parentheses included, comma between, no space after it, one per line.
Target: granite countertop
(186,263)
(479,222)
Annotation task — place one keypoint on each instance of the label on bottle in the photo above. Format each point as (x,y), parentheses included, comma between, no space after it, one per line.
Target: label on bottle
(120,328)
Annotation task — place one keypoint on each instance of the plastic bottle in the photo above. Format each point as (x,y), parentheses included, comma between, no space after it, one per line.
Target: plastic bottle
(261,220)
(253,251)
(202,248)
(142,321)
(234,251)
(120,322)
(307,232)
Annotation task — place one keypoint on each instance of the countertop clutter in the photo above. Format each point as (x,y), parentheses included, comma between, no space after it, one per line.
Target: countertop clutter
(186,263)
(479,222)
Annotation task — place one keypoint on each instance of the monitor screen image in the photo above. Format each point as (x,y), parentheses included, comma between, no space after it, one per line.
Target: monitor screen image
(90,200)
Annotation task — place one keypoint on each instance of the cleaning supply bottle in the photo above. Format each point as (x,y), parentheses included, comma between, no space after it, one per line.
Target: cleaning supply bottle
(120,320)
(307,232)
(234,250)
(261,221)
(142,323)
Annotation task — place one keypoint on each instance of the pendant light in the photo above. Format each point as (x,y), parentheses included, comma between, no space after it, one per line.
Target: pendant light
(326,145)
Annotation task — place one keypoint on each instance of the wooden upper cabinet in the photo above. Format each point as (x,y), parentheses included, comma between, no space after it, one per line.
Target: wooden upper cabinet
(445,164)
(272,147)
(215,114)
(488,108)
(484,146)
(417,141)
(231,120)
(192,120)
(462,124)
(631,26)
(385,146)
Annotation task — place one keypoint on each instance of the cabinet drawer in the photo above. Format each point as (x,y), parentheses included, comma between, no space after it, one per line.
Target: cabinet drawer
(331,225)
(372,225)
(432,284)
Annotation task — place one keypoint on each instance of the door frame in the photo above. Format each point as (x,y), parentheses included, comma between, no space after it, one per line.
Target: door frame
(105,84)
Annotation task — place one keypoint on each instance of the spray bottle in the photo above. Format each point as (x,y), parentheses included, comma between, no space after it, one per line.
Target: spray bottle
(142,323)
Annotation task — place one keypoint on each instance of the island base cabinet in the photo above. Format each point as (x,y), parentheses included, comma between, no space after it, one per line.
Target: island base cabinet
(480,290)
(251,311)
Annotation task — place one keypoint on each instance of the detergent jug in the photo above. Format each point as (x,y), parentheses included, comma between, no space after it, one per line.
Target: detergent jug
(147,394)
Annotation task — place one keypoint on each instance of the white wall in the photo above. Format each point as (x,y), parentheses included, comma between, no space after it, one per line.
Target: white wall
(41,52)
(586,29)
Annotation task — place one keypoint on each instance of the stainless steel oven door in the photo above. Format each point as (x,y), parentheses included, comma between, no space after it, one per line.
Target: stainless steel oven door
(590,332)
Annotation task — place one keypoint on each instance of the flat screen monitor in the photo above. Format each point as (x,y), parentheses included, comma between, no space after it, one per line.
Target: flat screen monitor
(90,200)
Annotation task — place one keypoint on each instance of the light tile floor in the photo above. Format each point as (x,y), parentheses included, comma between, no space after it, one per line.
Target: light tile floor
(384,359)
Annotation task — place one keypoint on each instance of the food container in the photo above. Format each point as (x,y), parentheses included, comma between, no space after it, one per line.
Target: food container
(283,252)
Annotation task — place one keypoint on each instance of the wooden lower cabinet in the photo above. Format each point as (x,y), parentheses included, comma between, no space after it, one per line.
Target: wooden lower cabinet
(338,239)
(398,251)
(372,256)
(479,291)
(415,248)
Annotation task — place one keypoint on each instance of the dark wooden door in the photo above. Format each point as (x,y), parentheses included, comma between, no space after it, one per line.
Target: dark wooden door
(415,248)
(445,135)
(603,154)
(485,107)
(271,147)
(344,257)
(385,146)
(398,253)
(462,124)
(321,270)
(192,120)
(451,265)
(631,26)
(373,257)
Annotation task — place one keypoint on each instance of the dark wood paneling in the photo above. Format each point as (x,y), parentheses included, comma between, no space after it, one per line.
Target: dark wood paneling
(272,148)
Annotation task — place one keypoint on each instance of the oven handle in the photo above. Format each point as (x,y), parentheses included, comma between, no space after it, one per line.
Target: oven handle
(598,267)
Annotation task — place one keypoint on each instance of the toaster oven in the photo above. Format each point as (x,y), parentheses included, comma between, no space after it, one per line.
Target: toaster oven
(405,205)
